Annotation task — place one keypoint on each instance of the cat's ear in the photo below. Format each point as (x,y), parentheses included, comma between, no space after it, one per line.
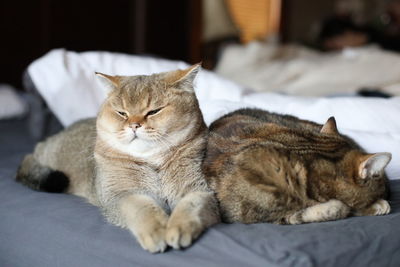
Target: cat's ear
(112,81)
(374,165)
(330,127)
(183,79)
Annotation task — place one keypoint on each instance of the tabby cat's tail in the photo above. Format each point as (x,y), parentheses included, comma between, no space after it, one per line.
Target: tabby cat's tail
(38,177)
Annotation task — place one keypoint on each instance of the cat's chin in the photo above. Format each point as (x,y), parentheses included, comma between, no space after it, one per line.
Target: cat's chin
(137,146)
(132,138)
(135,137)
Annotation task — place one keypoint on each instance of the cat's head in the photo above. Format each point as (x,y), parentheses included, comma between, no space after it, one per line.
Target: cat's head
(363,166)
(353,176)
(360,178)
(143,112)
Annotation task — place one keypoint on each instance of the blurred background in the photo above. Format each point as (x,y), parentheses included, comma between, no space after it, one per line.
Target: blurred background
(189,30)
(296,47)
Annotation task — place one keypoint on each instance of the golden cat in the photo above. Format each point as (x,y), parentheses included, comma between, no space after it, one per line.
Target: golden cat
(266,167)
(140,161)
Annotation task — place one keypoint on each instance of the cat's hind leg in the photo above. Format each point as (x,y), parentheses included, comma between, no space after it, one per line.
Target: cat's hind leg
(41,178)
(321,212)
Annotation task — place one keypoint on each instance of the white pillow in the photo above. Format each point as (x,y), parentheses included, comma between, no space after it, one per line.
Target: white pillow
(67,82)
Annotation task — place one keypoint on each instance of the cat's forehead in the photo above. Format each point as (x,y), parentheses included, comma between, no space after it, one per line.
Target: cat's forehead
(142,84)
(139,92)
(140,87)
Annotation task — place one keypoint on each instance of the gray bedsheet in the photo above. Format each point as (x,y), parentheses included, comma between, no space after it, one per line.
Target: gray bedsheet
(41,229)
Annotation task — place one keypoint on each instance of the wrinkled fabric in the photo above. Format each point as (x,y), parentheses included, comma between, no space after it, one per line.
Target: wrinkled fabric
(43,229)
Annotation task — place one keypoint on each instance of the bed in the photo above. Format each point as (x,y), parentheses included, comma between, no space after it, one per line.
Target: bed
(43,229)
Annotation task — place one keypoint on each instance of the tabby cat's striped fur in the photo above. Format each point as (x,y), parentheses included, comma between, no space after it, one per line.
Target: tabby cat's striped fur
(267,167)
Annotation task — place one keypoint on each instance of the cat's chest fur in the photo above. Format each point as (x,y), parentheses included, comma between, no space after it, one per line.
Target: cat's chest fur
(148,172)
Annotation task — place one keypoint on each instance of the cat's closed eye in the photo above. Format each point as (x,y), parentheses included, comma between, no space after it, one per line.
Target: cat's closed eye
(152,112)
(122,114)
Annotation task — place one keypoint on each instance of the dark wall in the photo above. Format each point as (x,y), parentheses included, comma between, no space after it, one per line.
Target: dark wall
(31,28)
(301,17)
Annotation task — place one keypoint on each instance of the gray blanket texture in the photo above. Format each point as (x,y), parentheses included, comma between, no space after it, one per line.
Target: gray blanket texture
(41,229)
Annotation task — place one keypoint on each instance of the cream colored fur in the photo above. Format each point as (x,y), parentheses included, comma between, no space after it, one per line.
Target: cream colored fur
(140,161)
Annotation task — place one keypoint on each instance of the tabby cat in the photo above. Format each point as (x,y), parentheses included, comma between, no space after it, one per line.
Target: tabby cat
(139,161)
(266,167)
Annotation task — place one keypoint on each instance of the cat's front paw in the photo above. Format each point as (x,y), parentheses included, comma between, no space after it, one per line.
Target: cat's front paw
(182,233)
(381,207)
(295,218)
(152,236)
(328,211)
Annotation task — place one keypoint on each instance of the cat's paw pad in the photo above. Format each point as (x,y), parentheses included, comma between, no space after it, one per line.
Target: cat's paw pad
(381,207)
(152,241)
(181,235)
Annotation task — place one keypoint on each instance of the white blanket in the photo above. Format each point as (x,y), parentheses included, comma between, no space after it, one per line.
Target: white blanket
(67,83)
(297,70)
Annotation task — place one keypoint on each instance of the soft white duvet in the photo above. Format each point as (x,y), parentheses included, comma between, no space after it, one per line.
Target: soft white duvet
(297,70)
(67,82)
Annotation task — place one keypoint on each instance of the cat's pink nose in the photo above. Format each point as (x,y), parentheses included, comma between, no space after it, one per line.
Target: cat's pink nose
(135,126)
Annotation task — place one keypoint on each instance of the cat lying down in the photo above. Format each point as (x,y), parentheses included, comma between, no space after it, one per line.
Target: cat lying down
(140,161)
(146,163)
(266,167)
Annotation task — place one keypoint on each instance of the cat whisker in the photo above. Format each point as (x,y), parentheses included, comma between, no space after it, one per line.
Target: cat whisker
(162,140)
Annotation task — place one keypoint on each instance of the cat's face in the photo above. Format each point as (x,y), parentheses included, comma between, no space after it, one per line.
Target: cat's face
(146,112)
